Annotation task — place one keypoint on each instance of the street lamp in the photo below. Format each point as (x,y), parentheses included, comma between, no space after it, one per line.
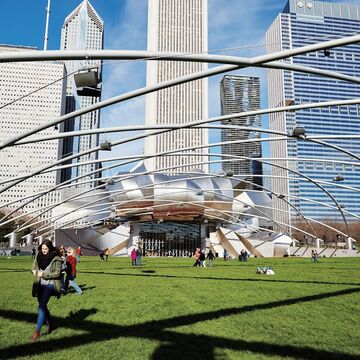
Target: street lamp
(105,145)
(87,83)
(338,177)
(298,132)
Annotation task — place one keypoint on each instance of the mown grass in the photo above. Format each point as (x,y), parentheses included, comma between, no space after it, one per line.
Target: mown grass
(170,310)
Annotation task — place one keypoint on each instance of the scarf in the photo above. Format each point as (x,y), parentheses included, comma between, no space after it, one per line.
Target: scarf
(44,260)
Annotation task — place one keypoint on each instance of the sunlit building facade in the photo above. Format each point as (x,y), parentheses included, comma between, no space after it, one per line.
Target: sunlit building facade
(177,27)
(83,29)
(302,23)
(19,114)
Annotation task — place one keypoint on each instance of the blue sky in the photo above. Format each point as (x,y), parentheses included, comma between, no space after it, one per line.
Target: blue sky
(236,24)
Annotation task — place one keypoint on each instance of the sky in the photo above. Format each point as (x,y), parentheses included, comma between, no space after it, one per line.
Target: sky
(235,27)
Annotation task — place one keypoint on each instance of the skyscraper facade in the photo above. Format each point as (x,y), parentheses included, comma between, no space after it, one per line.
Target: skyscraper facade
(83,29)
(241,94)
(178,27)
(19,114)
(302,23)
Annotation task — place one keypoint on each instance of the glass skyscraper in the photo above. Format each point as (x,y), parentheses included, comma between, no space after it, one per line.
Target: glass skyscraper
(240,94)
(83,29)
(302,23)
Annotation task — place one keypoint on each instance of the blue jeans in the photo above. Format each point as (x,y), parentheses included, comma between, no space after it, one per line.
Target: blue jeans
(70,280)
(43,298)
(62,280)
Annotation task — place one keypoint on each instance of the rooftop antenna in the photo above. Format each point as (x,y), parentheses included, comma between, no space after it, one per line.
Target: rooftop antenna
(46,37)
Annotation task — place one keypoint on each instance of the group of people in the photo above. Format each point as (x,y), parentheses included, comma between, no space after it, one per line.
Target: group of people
(68,270)
(54,270)
(104,254)
(314,256)
(243,256)
(136,255)
(200,258)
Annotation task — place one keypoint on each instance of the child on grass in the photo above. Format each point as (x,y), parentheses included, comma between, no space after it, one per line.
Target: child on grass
(70,278)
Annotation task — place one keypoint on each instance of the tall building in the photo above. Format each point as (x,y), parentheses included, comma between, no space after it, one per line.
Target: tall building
(16,117)
(83,29)
(241,94)
(303,23)
(179,27)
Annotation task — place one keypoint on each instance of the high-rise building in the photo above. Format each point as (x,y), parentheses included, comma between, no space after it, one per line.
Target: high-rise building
(303,23)
(83,29)
(19,114)
(179,27)
(240,94)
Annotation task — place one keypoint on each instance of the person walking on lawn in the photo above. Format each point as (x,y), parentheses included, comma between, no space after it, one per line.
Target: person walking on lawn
(210,256)
(71,265)
(46,269)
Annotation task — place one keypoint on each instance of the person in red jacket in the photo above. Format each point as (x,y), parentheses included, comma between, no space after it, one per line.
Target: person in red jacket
(133,257)
(71,275)
(197,257)
(78,253)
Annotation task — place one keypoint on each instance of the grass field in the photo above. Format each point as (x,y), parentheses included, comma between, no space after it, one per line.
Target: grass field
(170,310)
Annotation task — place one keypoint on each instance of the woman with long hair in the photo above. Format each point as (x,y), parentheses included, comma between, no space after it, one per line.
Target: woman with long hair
(46,269)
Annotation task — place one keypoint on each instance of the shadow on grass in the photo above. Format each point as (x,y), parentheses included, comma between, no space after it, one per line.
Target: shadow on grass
(159,267)
(4,270)
(195,277)
(83,288)
(174,345)
(82,314)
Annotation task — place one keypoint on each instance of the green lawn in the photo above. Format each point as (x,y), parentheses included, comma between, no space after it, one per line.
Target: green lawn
(170,310)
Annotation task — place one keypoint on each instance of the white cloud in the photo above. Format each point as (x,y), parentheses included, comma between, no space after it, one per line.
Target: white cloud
(236,24)
(128,32)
